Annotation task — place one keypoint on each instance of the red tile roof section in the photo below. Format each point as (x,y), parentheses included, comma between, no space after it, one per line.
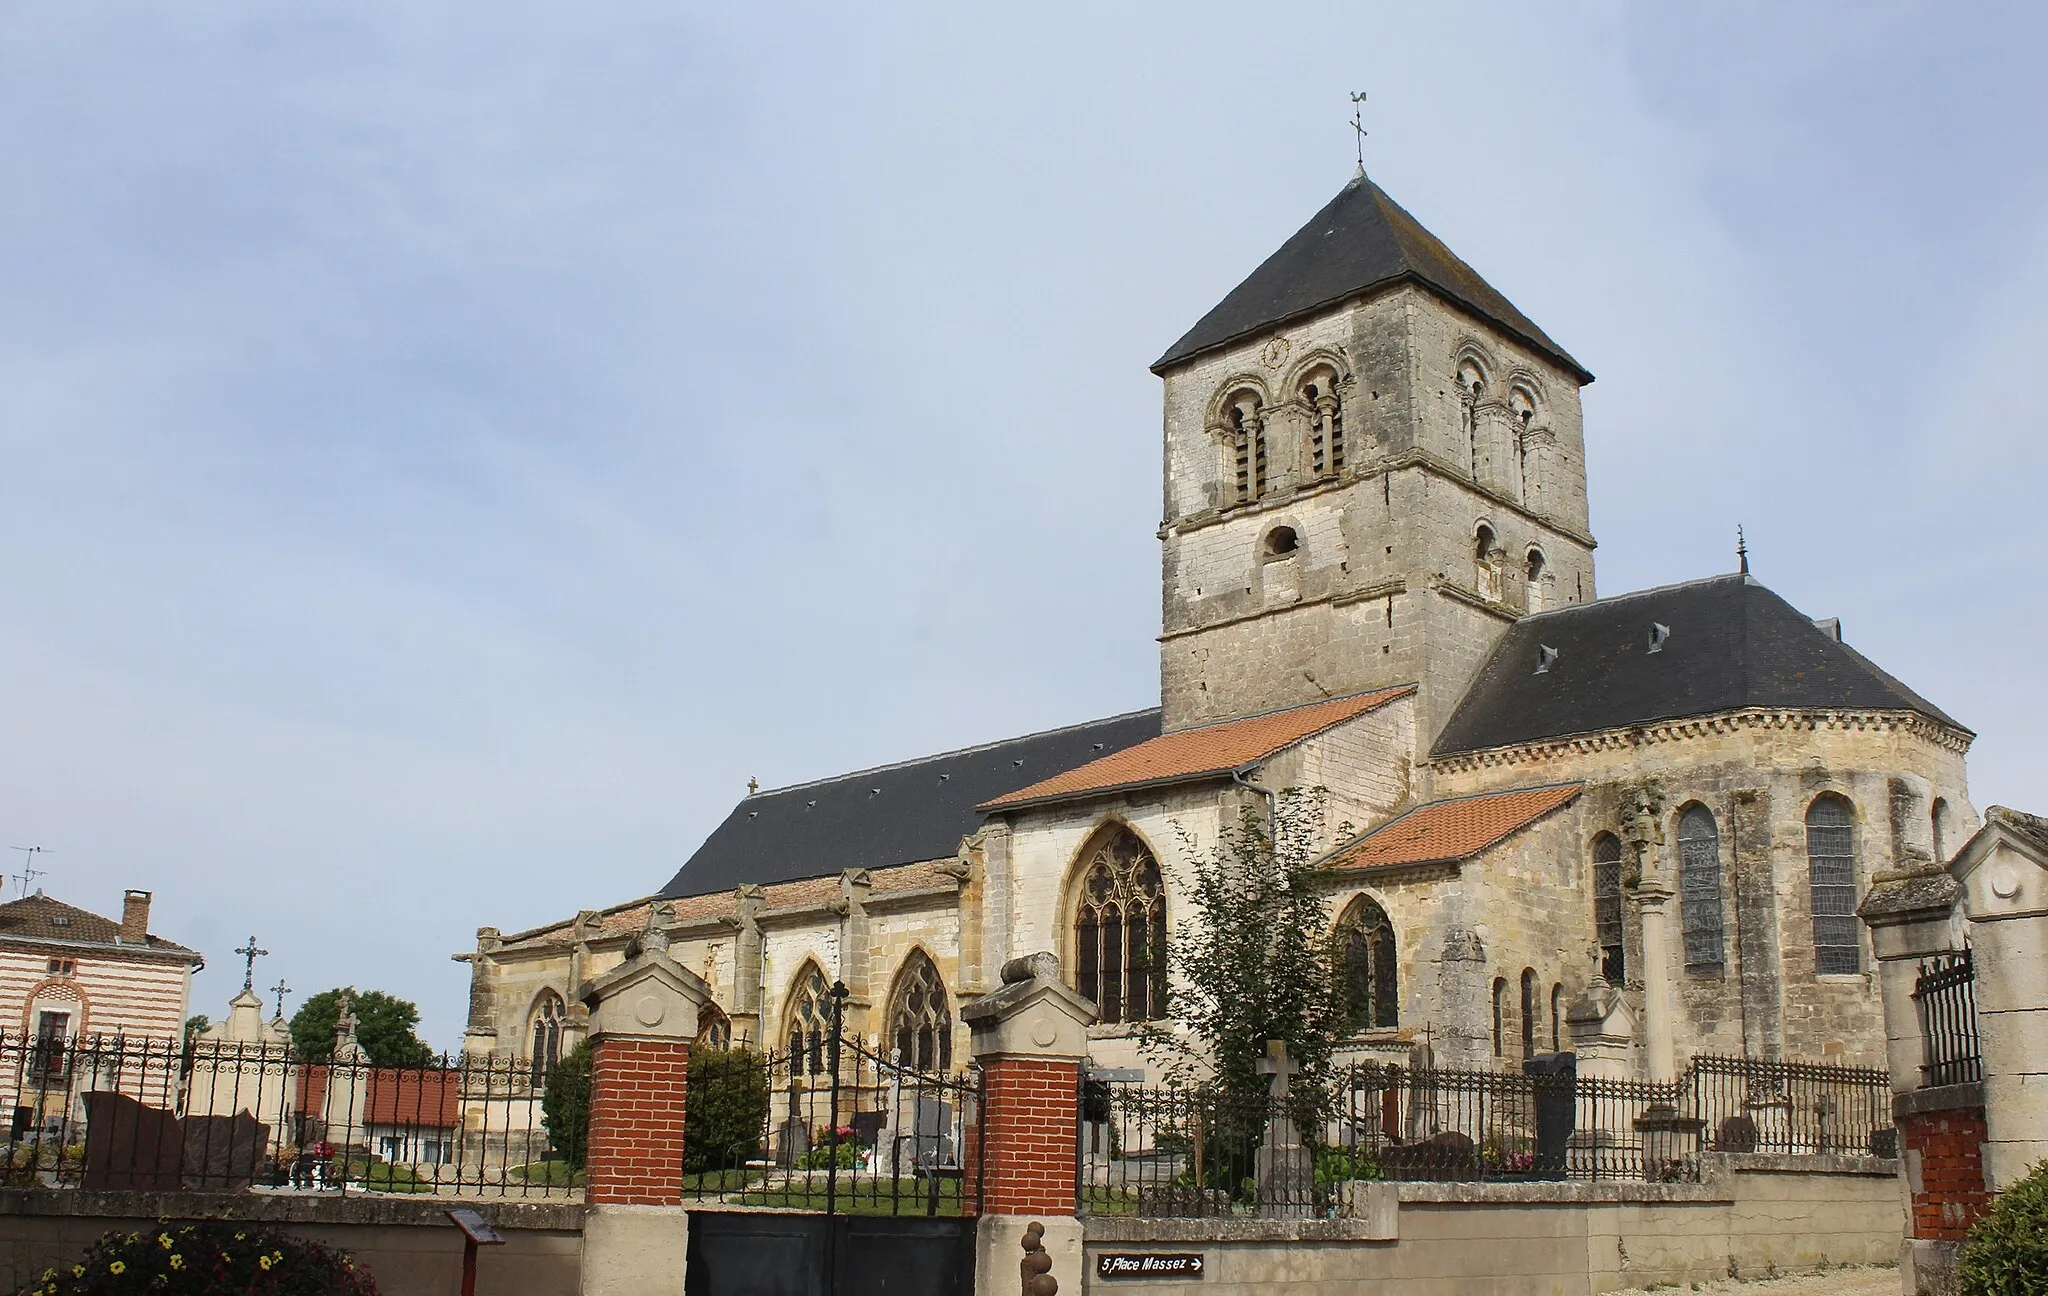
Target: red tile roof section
(428,1099)
(1212,749)
(1453,830)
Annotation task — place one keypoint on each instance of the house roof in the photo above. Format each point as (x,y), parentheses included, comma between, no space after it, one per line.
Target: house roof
(896,814)
(39,917)
(428,1099)
(1360,242)
(1456,829)
(1212,751)
(1732,644)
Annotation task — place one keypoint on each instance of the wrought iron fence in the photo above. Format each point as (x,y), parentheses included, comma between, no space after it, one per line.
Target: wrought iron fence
(1791,1108)
(1945,999)
(129,1112)
(1169,1151)
(831,1124)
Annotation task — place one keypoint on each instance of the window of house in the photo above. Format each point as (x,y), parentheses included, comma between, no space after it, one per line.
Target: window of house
(1607,908)
(1372,982)
(921,1022)
(810,1020)
(1120,931)
(53,1029)
(1831,875)
(62,967)
(548,1015)
(1699,888)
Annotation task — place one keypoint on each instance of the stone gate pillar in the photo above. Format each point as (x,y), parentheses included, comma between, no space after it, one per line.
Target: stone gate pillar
(635,1231)
(1030,1040)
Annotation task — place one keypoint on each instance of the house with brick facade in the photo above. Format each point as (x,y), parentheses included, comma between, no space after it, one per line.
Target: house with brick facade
(1378,579)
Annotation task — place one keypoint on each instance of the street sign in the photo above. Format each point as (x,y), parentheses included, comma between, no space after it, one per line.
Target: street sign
(1148,1264)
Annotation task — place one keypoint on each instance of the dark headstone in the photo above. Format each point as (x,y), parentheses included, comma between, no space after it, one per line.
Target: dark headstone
(868,1126)
(1557,1110)
(131,1146)
(1446,1156)
(1736,1134)
(223,1153)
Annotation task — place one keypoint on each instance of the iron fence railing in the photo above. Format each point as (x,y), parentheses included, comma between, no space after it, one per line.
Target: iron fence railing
(1197,1151)
(130,1112)
(1945,999)
(832,1124)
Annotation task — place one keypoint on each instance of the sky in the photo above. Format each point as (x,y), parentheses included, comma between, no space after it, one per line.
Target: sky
(448,449)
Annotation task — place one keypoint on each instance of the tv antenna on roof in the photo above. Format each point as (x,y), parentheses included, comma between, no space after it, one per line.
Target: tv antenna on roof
(1358,125)
(29,871)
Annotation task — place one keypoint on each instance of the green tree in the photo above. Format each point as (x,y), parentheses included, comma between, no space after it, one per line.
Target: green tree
(565,1105)
(725,1114)
(1253,961)
(384,1026)
(196,1025)
(2006,1252)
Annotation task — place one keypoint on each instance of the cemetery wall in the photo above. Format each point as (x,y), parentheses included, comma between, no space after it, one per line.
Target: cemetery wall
(1751,1215)
(409,1246)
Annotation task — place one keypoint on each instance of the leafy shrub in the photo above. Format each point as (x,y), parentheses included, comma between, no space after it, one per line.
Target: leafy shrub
(565,1105)
(726,1111)
(205,1258)
(843,1142)
(2006,1252)
(1335,1165)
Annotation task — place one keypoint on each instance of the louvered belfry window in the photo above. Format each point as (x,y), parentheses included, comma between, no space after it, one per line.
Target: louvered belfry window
(1699,888)
(1120,931)
(1831,864)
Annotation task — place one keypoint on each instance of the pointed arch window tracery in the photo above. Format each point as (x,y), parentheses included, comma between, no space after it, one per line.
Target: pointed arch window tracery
(1120,930)
(1366,953)
(921,1018)
(548,1016)
(810,1020)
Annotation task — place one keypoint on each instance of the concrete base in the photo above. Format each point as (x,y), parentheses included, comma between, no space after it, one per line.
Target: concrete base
(634,1250)
(999,1247)
(1376,1207)
(1927,1268)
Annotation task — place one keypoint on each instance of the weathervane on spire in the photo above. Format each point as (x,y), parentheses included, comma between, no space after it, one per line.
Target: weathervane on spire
(1358,125)
(1741,549)
(249,955)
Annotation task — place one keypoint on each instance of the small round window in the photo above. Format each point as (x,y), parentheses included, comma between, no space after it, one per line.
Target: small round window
(1281,541)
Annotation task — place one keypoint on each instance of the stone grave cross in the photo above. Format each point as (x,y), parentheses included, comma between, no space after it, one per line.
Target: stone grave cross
(1281,1069)
(1284,1169)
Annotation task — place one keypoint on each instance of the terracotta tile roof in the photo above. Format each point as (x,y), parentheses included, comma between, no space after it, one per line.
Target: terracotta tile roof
(43,918)
(1457,829)
(430,1099)
(1211,750)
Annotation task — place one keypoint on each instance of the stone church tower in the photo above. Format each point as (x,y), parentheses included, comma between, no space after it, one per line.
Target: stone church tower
(1374,465)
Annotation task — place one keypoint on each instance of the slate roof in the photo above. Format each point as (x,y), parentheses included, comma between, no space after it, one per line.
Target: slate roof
(1456,829)
(42,918)
(1212,751)
(1733,644)
(1362,241)
(897,814)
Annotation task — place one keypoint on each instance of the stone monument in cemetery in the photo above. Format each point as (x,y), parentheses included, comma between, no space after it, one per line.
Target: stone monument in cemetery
(1283,1169)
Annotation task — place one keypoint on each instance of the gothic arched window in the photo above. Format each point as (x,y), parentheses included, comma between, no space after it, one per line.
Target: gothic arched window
(548,1015)
(1831,875)
(921,1020)
(1699,887)
(714,1028)
(810,1020)
(1607,910)
(1372,984)
(1120,930)
(1326,421)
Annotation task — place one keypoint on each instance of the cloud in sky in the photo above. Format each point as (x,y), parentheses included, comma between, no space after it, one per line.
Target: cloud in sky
(450,449)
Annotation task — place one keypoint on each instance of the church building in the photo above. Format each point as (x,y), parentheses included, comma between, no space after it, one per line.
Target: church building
(1378,579)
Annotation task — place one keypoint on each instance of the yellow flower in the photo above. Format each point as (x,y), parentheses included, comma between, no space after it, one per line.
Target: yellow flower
(177,1261)
(118,1267)
(240,1236)
(164,1238)
(264,1261)
(78,1271)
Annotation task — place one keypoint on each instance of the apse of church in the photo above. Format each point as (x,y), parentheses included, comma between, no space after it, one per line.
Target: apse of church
(1377,581)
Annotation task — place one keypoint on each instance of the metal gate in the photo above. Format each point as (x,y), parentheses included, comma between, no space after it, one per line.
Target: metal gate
(827,1168)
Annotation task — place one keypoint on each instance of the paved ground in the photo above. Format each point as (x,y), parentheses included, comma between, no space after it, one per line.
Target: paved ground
(1879,1281)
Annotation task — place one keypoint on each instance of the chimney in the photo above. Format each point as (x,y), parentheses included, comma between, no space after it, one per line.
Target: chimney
(135,918)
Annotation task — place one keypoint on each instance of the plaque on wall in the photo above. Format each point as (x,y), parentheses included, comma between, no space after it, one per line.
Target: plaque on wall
(1148,1264)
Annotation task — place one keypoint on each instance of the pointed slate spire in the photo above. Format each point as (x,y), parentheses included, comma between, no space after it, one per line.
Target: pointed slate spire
(1362,241)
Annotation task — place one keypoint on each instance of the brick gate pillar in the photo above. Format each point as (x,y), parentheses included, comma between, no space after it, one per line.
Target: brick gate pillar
(635,1231)
(1030,1040)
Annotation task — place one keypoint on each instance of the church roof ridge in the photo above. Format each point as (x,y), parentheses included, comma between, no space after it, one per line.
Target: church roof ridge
(977,749)
(1361,241)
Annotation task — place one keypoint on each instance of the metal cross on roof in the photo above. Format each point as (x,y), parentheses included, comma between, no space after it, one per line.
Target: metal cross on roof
(280,990)
(249,954)
(1358,125)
